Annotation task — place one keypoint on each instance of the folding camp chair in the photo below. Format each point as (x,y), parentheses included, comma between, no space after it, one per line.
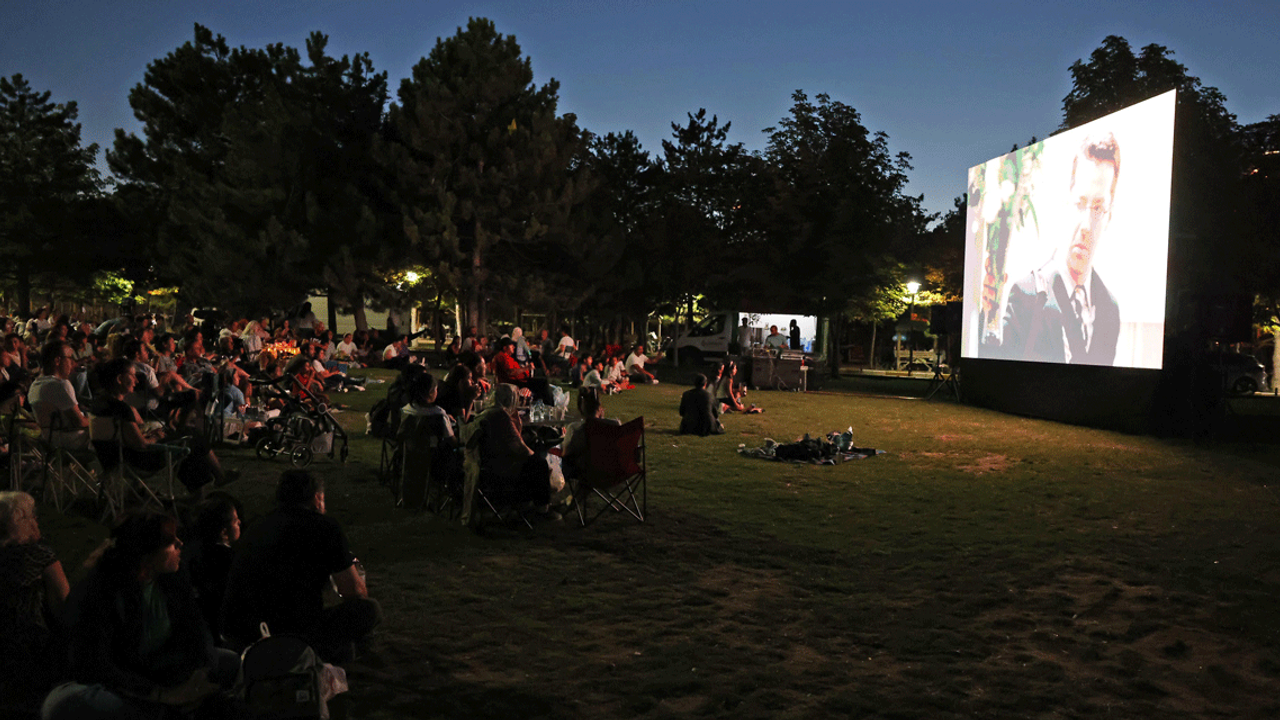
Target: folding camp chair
(26,462)
(124,484)
(426,480)
(67,475)
(390,462)
(614,472)
(477,485)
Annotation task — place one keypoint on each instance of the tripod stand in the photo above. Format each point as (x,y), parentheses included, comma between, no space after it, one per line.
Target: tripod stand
(951,380)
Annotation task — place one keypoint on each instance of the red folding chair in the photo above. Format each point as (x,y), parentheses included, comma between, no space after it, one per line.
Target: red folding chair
(615,471)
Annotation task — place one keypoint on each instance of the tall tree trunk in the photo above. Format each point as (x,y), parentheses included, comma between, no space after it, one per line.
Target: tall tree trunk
(871,359)
(1275,361)
(333,311)
(474,305)
(357,309)
(834,352)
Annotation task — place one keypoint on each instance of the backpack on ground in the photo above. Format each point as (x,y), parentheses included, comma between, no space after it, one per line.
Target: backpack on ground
(280,677)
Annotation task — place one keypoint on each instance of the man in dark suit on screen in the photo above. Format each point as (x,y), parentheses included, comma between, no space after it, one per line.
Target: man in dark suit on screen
(1063,312)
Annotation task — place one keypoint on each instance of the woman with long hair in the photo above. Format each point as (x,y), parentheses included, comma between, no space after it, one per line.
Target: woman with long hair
(139,645)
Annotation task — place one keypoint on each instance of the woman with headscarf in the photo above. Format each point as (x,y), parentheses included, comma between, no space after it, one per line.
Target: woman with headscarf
(508,466)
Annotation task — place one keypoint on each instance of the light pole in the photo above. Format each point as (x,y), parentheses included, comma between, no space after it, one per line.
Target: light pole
(913,287)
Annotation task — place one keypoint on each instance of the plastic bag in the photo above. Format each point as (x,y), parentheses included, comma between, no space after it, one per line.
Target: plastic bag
(333,681)
(557,473)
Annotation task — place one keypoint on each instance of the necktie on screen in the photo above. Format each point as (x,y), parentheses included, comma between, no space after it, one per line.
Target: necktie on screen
(1082,327)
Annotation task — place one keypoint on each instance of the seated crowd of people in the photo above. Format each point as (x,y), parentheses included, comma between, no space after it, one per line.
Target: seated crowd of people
(132,381)
(157,624)
(511,461)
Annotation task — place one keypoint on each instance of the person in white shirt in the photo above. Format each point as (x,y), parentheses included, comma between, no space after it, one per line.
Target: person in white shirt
(346,349)
(53,399)
(566,348)
(616,375)
(635,365)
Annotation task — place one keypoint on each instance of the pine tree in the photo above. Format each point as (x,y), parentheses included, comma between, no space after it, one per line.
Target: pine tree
(483,167)
(44,173)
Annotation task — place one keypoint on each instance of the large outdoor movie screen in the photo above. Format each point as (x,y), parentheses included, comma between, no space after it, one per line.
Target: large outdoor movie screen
(1067,244)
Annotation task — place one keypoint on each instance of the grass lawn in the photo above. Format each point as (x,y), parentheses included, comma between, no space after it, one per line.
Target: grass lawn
(986,566)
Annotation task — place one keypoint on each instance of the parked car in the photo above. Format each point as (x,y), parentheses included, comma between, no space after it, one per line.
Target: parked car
(1243,374)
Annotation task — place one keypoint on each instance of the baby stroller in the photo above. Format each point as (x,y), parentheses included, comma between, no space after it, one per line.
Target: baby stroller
(303,429)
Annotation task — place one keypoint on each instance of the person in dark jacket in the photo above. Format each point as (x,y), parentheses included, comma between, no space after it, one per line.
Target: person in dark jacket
(139,645)
(699,411)
(216,528)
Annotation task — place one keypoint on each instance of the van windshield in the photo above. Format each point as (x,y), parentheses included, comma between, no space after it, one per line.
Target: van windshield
(713,325)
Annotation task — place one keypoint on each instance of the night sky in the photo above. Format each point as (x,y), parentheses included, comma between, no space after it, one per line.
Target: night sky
(952,83)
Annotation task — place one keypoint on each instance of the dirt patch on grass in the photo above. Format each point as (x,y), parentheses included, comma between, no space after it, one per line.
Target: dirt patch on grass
(679,618)
(986,464)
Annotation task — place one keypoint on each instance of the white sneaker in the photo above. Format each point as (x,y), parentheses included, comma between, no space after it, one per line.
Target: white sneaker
(656,381)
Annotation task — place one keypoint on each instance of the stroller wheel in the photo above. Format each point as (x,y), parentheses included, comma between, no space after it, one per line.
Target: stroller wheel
(266,449)
(343,453)
(301,456)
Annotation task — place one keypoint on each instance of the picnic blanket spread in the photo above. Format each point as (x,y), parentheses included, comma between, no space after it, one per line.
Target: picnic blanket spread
(836,448)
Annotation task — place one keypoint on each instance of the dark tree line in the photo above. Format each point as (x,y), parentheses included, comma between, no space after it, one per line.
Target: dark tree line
(264,174)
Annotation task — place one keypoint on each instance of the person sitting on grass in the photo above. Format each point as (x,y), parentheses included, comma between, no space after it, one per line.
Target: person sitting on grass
(282,568)
(139,647)
(302,375)
(615,374)
(728,392)
(215,528)
(594,380)
(699,412)
(346,351)
(331,379)
(636,366)
(396,354)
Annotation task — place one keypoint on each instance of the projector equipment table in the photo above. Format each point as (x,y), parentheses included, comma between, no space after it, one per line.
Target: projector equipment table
(784,370)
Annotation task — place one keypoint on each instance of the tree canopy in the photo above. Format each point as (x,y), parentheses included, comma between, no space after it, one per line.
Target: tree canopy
(46,177)
(484,169)
(256,170)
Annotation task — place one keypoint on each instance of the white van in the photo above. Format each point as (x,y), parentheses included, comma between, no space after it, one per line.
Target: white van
(725,333)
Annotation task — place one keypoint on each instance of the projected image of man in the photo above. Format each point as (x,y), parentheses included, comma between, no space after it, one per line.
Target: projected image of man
(1063,312)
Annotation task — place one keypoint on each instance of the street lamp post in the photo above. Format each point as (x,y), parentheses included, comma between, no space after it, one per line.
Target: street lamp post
(913,287)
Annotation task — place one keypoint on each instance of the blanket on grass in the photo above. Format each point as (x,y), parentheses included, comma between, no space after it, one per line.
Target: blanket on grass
(836,448)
